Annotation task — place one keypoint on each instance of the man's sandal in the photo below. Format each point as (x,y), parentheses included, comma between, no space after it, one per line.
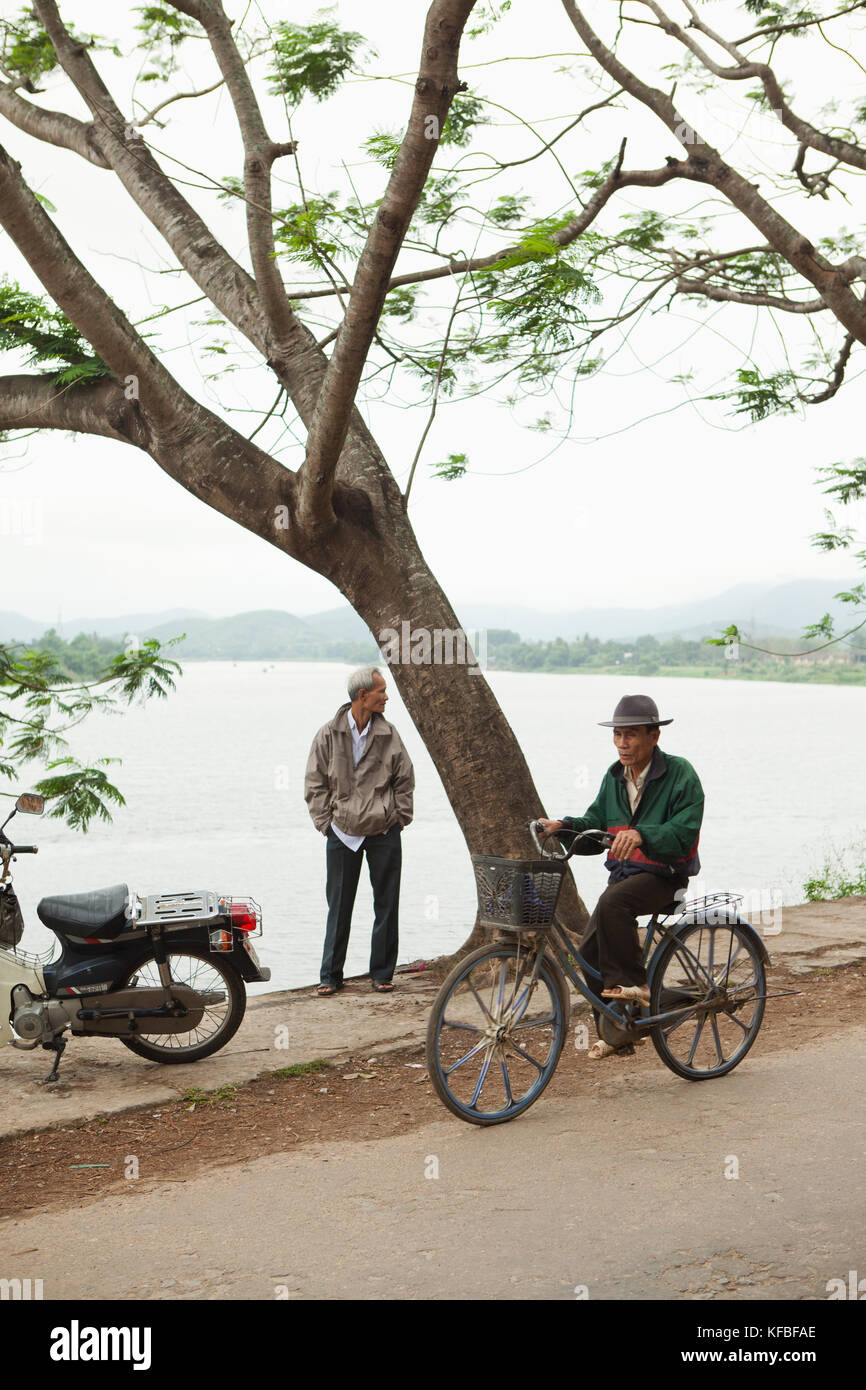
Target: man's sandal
(382,986)
(324,990)
(638,993)
(600,1050)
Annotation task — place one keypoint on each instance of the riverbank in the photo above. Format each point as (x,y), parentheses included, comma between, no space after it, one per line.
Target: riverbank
(289,1029)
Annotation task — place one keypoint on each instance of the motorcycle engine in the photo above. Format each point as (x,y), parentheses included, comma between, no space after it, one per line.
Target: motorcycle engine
(36,1018)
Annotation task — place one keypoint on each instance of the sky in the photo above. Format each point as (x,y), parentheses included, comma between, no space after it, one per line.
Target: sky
(643,499)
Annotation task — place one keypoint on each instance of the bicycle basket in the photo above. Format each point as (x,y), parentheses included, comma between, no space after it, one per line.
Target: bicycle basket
(517,893)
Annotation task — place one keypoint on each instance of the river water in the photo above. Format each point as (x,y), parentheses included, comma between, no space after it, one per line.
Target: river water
(213,779)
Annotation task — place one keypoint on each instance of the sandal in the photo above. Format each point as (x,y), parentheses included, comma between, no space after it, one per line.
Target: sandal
(325,990)
(382,986)
(639,993)
(600,1050)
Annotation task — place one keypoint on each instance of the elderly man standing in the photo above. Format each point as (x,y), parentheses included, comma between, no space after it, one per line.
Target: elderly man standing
(358,788)
(653,804)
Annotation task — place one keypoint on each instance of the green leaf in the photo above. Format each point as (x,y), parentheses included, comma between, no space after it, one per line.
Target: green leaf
(463,116)
(80,794)
(823,628)
(383,146)
(312,59)
(164,30)
(486,17)
(401,303)
(849,481)
(28,51)
(451,468)
(760,396)
(43,334)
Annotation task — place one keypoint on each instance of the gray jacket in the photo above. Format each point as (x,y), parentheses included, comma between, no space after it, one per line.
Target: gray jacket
(363,800)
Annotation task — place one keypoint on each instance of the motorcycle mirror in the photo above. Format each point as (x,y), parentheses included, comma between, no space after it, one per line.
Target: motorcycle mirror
(31,803)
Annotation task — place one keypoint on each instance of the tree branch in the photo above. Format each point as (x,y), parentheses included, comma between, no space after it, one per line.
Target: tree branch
(259,155)
(52,126)
(838,374)
(74,289)
(708,290)
(178,96)
(771,29)
(209,458)
(845,151)
(29,402)
(615,180)
(434,90)
(207,263)
(705,163)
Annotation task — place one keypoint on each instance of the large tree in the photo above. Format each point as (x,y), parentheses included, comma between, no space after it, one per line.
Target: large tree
(533,291)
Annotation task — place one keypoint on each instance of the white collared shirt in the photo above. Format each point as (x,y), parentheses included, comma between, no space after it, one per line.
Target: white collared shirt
(359,743)
(634,784)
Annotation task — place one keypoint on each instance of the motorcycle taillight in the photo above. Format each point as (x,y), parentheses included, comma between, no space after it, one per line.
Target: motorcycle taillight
(243,915)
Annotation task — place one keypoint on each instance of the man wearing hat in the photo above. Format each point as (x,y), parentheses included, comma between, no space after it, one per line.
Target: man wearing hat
(653,804)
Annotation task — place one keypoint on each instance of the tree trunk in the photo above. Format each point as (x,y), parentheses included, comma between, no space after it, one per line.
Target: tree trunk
(383,574)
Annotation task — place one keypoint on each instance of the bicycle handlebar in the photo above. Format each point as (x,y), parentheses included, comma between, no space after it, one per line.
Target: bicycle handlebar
(598,837)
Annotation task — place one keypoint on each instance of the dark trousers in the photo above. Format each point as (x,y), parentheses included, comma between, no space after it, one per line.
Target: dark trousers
(610,943)
(384,859)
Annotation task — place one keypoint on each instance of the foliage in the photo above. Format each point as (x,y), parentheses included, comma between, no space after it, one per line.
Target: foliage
(838,877)
(164,30)
(312,59)
(302,1068)
(41,700)
(45,336)
(27,53)
(453,467)
(760,396)
(463,117)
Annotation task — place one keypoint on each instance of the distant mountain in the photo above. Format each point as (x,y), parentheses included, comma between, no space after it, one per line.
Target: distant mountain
(16,628)
(268,634)
(339,624)
(762,610)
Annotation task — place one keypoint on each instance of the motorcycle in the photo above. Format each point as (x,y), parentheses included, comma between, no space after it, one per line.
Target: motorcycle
(164,973)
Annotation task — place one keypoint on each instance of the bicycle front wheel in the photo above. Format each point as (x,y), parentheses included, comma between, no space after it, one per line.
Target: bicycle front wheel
(711,979)
(494,1035)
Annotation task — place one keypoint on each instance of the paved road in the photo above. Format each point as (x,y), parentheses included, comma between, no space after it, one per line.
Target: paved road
(622,1195)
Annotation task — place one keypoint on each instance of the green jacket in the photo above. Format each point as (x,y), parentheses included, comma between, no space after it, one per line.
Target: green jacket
(668,816)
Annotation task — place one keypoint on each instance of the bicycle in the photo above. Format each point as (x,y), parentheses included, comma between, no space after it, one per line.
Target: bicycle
(499,1021)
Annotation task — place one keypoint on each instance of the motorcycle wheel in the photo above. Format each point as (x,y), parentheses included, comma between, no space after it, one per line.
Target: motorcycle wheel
(202,971)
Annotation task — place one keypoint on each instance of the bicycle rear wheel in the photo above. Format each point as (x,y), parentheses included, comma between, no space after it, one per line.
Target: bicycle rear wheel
(494,1037)
(716,974)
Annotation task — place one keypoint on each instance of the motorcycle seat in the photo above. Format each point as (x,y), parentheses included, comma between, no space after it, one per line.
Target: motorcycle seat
(101,913)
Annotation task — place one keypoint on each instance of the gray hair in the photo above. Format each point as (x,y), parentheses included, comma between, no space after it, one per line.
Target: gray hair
(362,679)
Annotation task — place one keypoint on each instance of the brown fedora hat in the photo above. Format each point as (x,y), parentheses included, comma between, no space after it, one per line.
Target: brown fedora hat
(634,709)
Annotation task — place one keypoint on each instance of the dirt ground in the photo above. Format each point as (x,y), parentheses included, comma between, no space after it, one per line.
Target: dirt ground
(370,1096)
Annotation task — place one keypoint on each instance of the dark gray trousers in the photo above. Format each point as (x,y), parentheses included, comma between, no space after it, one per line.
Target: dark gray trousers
(610,943)
(384,860)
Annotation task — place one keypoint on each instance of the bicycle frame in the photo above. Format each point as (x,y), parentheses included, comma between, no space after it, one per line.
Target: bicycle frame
(564,952)
(567,955)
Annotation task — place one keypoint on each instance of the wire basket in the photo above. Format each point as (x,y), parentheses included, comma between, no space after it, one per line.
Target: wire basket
(516,894)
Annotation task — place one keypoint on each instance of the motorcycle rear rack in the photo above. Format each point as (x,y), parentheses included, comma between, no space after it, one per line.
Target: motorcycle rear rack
(176,909)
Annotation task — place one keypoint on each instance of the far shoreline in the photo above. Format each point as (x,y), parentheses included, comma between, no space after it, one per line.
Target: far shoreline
(798,676)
